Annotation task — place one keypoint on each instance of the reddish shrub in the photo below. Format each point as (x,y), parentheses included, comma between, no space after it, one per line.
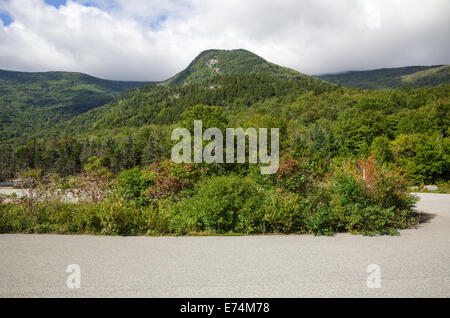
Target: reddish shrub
(172,180)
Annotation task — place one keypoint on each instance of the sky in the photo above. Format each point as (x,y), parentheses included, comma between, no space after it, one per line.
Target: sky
(151,40)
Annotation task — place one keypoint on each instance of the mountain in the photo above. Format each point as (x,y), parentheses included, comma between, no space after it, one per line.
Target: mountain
(318,120)
(414,76)
(162,105)
(69,103)
(32,102)
(210,63)
(429,77)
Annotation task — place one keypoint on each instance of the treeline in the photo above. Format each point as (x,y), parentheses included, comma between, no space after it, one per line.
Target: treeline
(405,128)
(68,156)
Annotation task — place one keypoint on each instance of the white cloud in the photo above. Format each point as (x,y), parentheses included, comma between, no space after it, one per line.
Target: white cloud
(152,40)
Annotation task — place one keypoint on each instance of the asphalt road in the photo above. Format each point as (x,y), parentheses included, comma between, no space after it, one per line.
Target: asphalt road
(414,264)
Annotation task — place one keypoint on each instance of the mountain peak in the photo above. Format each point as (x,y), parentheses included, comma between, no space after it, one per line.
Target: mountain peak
(213,62)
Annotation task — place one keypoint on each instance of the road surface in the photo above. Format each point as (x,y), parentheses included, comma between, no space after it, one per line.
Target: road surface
(414,264)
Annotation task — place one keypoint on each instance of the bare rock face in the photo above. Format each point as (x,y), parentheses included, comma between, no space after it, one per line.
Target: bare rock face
(211,62)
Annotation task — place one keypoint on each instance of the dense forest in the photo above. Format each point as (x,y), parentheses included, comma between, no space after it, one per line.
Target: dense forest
(385,78)
(31,102)
(404,127)
(347,155)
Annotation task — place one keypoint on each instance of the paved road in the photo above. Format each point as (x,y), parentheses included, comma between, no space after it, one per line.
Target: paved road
(414,264)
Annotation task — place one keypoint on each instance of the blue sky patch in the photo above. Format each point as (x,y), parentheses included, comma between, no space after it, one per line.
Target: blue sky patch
(155,25)
(56,3)
(86,3)
(6,18)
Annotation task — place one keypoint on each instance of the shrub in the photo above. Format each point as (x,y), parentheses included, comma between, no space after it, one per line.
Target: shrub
(172,180)
(295,175)
(110,217)
(283,213)
(365,198)
(360,197)
(316,210)
(156,220)
(119,217)
(321,221)
(221,204)
(387,188)
(94,184)
(132,184)
(424,157)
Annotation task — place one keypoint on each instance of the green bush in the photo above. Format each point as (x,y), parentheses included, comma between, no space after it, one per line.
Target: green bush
(283,213)
(132,184)
(13,219)
(295,175)
(110,217)
(156,220)
(118,217)
(318,216)
(172,180)
(359,197)
(365,198)
(220,205)
(423,157)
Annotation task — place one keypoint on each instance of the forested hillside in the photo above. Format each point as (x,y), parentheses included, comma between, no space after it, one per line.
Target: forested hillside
(163,105)
(414,76)
(228,62)
(32,102)
(346,157)
(406,128)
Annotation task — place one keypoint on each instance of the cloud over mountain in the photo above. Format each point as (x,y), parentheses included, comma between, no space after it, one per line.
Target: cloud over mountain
(153,40)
